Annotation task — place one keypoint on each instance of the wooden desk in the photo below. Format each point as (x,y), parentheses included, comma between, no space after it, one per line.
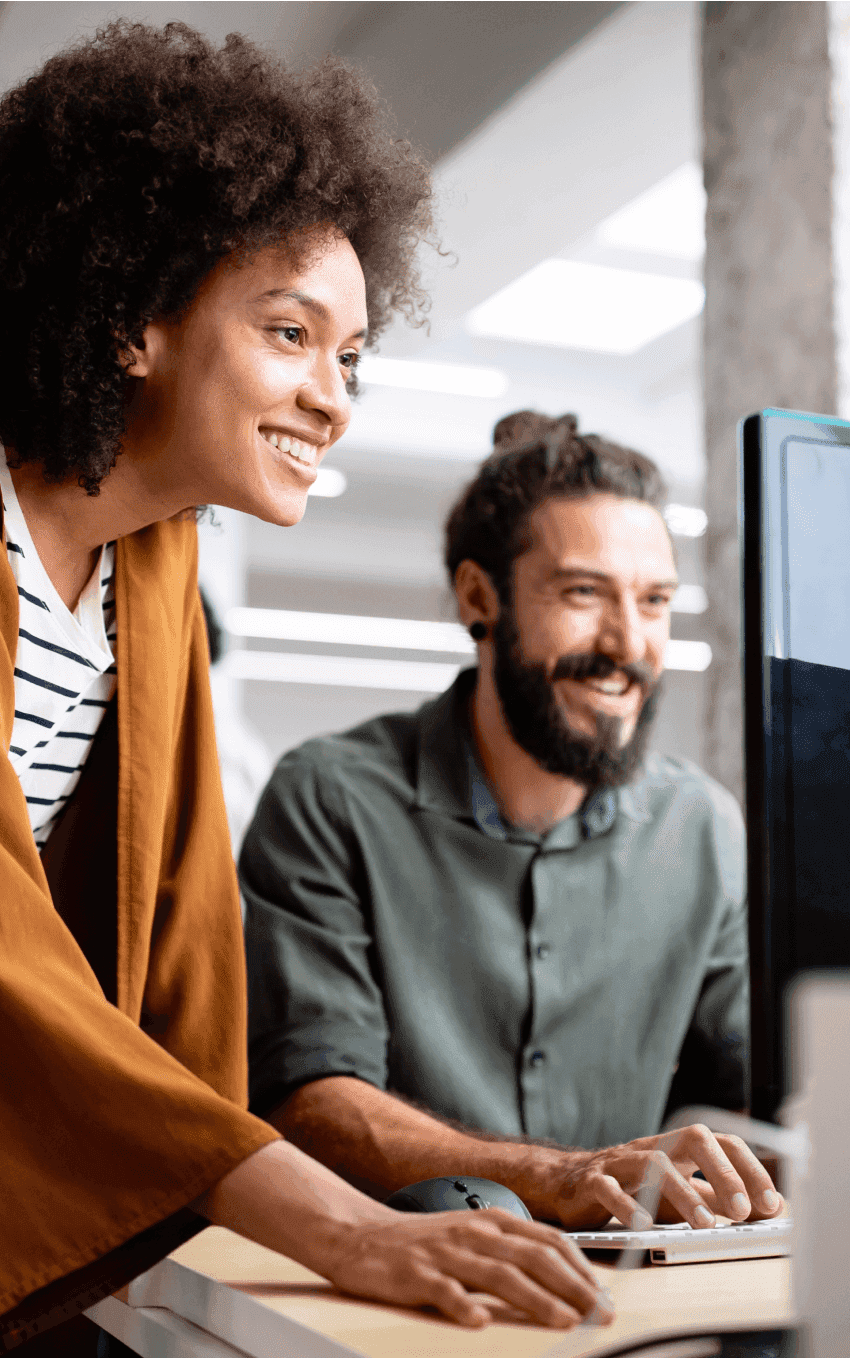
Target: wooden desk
(219,1295)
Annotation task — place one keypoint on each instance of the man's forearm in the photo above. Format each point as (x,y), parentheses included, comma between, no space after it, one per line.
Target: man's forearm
(380,1143)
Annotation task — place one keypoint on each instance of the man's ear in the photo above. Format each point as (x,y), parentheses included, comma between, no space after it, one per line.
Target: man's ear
(477,598)
(139,359)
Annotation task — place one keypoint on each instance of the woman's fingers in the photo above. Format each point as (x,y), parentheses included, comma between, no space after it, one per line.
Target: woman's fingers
(548,1235)
(552,1266)
(542,1301)
(439,1260)
(451,1298)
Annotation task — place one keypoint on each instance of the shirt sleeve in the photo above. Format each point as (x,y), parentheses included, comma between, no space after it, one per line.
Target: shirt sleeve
(713,1064)
(315,1007)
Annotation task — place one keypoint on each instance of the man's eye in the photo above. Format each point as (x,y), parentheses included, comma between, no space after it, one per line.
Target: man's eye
(582,591)
(291,333)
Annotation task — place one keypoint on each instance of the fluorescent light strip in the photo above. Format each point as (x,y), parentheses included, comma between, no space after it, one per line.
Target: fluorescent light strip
(453,379)
(412,676)
(687,655)
(345,629)
(340,671)
(404,634)
(572,305)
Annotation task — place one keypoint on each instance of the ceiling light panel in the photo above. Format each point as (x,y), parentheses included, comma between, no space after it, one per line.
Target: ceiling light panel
(669,219)
(686,521)
(452,379)
(573,305)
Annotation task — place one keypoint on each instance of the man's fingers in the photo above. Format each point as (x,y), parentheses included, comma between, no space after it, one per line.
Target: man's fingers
(605,1190)
(741,1185)
(758,1185)
(731,1168)
(663,1182)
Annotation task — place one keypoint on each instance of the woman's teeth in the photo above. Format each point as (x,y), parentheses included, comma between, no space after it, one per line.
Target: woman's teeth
(302,452)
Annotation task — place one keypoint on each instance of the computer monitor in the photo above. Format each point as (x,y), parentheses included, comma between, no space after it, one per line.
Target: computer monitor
(795,483)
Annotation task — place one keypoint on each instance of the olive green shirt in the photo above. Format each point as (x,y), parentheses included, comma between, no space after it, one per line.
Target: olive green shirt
(397,930)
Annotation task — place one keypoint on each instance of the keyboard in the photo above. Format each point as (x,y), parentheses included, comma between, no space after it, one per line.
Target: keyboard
(681,1244)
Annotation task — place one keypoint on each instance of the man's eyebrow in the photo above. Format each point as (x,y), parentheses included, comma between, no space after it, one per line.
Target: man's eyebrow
(586,572)
(304,299)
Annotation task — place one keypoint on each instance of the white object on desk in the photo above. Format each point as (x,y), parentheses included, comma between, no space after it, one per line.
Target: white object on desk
(820,1043)
(201,1307)
(681,1244)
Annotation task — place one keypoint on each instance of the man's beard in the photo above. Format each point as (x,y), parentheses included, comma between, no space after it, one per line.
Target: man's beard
(537,722)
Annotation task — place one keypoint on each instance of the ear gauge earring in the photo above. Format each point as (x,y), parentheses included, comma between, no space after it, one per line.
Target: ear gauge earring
(478,631)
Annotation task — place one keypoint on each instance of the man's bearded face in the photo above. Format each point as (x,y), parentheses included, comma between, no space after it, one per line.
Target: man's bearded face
(538,719)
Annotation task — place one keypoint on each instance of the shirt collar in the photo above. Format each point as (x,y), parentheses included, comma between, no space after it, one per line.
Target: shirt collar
(450,780)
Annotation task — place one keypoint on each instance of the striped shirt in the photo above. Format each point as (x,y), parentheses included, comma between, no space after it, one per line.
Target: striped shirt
(64,670)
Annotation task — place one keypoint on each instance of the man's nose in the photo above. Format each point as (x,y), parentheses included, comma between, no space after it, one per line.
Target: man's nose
(622,635)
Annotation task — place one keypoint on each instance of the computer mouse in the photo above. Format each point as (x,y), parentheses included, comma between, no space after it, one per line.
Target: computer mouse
(457,1195)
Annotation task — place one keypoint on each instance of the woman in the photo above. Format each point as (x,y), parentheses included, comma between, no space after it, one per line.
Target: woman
(192,247)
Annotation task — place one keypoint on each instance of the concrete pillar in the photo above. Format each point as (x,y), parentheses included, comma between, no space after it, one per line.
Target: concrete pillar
(769,336)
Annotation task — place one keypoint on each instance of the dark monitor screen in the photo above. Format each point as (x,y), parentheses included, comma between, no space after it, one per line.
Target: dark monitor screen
(796,535)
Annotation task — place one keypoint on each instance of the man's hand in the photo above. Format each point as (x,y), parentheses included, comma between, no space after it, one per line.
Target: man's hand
(654,1175)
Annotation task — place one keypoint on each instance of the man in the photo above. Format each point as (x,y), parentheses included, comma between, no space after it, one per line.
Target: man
(496,911)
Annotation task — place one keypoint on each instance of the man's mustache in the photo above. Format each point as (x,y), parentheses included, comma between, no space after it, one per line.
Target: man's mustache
(595,665)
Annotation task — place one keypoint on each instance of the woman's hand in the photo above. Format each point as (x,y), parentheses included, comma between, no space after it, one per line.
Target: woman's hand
(282,1199)
(439,1258)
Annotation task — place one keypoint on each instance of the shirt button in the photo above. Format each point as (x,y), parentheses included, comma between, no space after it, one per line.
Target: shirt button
(543,950)
(538,1058)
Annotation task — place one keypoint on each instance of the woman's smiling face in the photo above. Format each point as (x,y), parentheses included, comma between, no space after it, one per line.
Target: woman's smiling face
(238,400)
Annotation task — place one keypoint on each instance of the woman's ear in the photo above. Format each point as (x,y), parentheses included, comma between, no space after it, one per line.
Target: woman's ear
(139,359)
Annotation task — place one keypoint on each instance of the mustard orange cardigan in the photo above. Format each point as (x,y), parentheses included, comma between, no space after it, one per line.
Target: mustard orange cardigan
(105,1130)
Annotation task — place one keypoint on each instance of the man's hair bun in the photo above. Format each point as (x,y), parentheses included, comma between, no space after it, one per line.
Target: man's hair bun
(536,458)
(528,426)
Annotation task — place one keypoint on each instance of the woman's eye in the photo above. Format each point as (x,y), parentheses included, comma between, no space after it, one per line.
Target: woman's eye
(350,360)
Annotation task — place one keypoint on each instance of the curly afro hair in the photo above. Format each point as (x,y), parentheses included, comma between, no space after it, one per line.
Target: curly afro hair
(130,165)
(537,458)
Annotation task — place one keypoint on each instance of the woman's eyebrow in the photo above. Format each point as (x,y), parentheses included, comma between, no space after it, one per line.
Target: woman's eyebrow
(304,299)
